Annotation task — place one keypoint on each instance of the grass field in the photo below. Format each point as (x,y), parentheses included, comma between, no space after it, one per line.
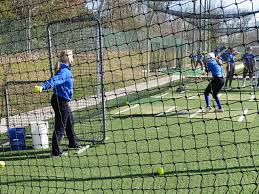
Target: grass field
(201,153)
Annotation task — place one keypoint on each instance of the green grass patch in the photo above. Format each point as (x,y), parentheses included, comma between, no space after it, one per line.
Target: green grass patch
(204,154)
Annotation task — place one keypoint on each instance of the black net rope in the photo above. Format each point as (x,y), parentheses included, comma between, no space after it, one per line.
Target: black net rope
(137,120)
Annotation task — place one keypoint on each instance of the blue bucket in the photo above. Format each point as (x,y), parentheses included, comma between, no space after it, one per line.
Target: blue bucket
(17,138)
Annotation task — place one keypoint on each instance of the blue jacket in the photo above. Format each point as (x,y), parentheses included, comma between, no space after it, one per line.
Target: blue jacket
(249,58)
(231,57)
(62,83)
(224,56)
(216,53)
(199,56)
(215,69)
(192,56)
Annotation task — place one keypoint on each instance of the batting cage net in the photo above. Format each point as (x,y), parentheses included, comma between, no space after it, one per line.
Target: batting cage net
(127,96)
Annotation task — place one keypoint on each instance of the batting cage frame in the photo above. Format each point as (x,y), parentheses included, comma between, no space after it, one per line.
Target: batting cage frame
(100,77)
(7,99)
(100,65)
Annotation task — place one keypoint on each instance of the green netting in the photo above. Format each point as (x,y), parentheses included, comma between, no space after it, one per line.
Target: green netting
(139,105)
(187,72)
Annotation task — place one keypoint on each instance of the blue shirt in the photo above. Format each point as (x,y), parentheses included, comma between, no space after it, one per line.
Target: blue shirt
(192,56)
(199,56)
(249,58)
(62,83)
(231,57)
(216,53)
(215,69)
(225,55)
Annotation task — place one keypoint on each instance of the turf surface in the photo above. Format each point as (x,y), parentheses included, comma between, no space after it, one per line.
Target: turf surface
(204,153)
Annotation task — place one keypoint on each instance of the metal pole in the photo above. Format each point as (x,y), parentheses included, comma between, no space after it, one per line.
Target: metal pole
(29,31)
(181,55)
(148,53)
(204,27)
(99,47)
(99,62)
(209,43)
(49,51)
(200,27)
(7,106)
(149,22)
(100,70)
(180,61)
(193,32)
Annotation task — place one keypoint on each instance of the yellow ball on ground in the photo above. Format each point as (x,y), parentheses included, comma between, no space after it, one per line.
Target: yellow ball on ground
(2,164)
(160,171)
(127,102)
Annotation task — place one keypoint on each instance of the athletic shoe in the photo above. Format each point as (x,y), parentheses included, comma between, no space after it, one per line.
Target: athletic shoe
(74,146)
(227,88)
(220,110)
(78,150)
(207,109)
(64,154)
(61,155)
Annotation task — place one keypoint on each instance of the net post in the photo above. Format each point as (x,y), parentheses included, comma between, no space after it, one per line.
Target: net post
(49,49)
(7,105)
(100,70)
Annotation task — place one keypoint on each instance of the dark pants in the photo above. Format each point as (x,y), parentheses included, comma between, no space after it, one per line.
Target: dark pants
(214,87)
(64,121)
(230,74)
(193,63)
(199,62)
(248,69)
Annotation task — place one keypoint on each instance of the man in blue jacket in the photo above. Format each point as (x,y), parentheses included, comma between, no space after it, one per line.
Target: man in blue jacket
(216,83)
(62,84)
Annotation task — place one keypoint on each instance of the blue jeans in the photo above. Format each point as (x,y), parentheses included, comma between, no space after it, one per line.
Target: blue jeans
(64,121)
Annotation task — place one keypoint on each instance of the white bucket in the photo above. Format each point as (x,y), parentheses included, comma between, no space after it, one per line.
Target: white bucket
(39,133)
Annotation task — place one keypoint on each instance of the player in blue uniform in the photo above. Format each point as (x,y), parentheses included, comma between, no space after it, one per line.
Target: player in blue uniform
(218,50)
(216,83)
(199,60)
(231,58)
(249,65)
(193,60)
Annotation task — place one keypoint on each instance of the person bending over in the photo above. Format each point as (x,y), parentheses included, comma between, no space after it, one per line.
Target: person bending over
(216,83)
